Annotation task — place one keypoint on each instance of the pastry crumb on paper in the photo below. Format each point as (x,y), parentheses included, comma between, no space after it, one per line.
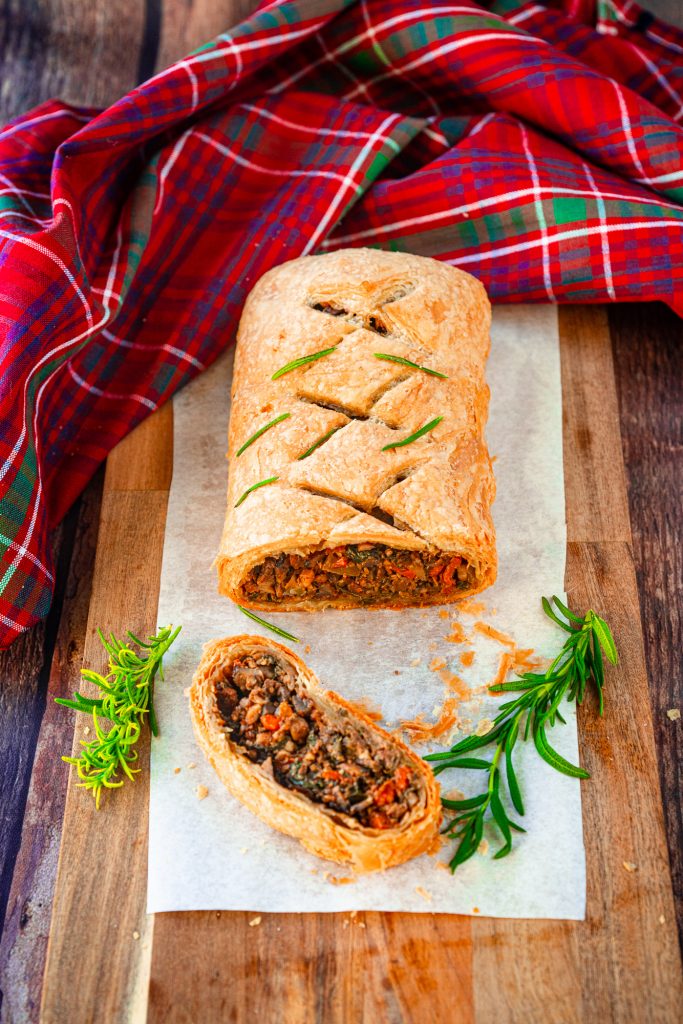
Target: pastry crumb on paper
(421,891)
(202,792)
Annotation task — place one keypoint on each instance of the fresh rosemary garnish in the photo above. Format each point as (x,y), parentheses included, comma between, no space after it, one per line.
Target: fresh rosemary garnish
(321,440)
(262,430)
(269,625)
(408,362)
(296,363)
(255,487)
(413,437)
(537,708)
(127,698)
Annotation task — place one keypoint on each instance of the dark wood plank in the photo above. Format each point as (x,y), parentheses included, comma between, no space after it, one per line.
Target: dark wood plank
(86,53)
(648,357)
(24,938)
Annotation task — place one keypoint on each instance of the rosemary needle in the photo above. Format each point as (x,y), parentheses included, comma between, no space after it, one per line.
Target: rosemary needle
(536,709)
(126,699)
(408,362)
(269,625)
(413,437)
(262,430)
(321,440)
(255,487)
(302,361)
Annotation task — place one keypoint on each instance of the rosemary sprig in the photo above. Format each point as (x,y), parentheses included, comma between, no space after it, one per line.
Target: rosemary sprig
(321,440)
(269,625)
(302,361)
(255,487)
(262,430)
(407,362)
(126,699)
(536,709)
(413,437)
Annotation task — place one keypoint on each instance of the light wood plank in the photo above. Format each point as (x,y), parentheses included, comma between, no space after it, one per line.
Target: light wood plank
(96,969)
(597,503)
(322,968)
(26,929)
(630,958)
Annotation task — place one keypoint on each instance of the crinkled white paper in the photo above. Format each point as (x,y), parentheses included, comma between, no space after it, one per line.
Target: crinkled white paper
(212,853)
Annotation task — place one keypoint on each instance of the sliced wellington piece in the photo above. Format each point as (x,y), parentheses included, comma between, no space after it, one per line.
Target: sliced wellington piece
(326,506)
(308,763)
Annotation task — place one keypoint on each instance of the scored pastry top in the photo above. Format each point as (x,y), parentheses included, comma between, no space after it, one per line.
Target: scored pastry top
(336,482)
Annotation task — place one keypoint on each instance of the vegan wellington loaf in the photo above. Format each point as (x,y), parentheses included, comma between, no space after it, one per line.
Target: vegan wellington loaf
(307,762)
(358,471)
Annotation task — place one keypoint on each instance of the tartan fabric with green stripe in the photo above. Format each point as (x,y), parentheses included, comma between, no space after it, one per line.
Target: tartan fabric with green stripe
(537,146)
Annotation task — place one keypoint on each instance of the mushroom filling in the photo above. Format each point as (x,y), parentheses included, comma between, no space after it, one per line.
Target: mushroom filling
(366,573)
(330,759)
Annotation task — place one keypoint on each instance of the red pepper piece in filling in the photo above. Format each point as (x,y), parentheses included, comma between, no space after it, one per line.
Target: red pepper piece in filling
(410,574)
(450,571)
(402,778)
(385,794)
(330,773)
(270,722)
(379,820)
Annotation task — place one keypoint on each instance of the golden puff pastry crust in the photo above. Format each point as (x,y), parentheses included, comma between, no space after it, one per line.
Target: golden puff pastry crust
(327,833)
(431,497)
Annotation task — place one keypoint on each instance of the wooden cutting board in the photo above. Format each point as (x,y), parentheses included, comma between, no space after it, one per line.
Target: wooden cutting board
(107,961)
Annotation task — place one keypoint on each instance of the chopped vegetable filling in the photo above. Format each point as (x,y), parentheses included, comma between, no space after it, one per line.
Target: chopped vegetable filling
(367,573)
(330,760)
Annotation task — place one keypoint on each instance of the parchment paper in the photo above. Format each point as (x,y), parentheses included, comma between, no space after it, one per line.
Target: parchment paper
(212,853)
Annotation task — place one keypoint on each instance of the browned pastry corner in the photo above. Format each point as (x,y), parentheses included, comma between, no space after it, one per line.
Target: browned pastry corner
(349,524)
(306,762)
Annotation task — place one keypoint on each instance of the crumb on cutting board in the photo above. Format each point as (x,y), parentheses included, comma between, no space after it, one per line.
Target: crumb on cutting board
(136,935)
(673,714)
(630,866)
(202,792)
(255,921)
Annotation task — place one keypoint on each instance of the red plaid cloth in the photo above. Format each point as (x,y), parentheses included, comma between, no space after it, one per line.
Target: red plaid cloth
(539,147)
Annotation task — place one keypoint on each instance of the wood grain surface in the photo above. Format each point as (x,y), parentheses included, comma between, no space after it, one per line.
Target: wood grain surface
(622,377)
